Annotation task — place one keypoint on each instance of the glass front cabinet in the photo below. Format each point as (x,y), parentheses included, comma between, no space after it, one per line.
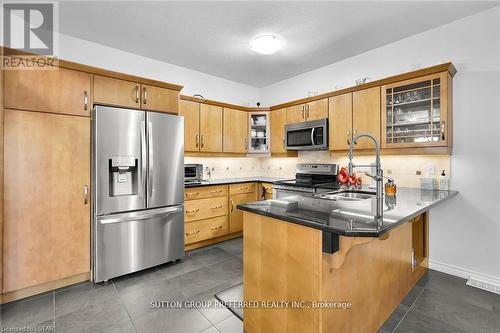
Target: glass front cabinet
(417,112)
(259,133)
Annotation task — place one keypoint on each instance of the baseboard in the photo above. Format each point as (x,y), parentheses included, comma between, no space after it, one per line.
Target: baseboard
(462,272)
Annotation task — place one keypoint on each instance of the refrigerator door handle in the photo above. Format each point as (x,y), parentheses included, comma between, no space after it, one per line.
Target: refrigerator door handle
(143,159)
(137,216)
(150,162)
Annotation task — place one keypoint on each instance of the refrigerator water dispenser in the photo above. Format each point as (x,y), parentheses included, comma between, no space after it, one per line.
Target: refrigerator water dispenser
(123,176)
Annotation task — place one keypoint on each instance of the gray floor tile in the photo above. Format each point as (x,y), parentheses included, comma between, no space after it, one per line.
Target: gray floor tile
(209,277)
(416,322)
(144,276)
(83,294)
(463,315)
(211,330)
(393,321)
(196,260)
(28,312)
(455,287)
(108,316)
(412,295)
(233,246)
(216,312)
(137,298)
(172,321)
(230,325)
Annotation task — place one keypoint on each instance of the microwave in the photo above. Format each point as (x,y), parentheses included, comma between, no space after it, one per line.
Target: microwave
(309,135)
(193,173)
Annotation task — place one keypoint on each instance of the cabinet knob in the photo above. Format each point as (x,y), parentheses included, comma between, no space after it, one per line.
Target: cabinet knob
(192,211)
(216,207)
(192,233)
(197,140)
(232,205)
(443,127)
(202,141)
(348,137)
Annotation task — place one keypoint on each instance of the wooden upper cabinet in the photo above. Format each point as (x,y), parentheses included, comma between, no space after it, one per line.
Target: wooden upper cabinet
(60,90)
(296,114)
(159,99)
(417,112)
(278,121)
(340,121)
(46,216)
(116,92)
(366,115)
(210,128)
(317,110)
(191,113)
(235,134)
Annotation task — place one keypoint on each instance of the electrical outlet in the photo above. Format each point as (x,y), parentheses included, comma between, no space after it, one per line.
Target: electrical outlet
(431,169)
(389,172)
(418,172)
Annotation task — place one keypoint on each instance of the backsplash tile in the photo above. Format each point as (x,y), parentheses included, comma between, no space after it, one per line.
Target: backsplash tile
(402,168)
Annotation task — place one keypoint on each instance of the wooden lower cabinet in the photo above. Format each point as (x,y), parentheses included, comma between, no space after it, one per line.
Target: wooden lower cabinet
(264,191)
(236,215)
(47,215)
(205,208)
(205,229)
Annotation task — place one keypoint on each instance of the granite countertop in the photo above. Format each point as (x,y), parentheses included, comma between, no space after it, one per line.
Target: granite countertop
(350,218)
(236,181)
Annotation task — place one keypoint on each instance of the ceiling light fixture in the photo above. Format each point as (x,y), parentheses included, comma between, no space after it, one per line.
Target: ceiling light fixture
(266,44)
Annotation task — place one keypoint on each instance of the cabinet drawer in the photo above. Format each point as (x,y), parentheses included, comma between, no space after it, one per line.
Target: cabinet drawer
(194,193)
(242,188)
(205,208)
(205,229)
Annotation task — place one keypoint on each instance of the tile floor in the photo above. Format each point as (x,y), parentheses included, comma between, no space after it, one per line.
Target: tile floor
(438,303)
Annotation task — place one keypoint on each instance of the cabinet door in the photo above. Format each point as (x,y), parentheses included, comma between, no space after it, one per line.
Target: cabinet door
(416,112)
(191,113)
(317,110)
(366,115)
(236,215)
(47,218)
(210,128)
(278,121)
(340,122)
(159,99)
(57,91)
(235,131)
(117,92)
(296,114)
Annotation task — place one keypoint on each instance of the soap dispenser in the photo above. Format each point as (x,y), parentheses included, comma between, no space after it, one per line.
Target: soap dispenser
(444,182)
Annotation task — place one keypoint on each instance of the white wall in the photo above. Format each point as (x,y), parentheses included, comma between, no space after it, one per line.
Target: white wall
(194,82)
(465,231)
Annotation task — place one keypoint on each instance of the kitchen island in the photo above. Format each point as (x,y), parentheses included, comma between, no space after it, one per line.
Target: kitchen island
(326,256)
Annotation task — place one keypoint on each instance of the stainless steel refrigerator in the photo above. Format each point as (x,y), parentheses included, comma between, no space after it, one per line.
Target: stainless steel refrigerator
(138,190)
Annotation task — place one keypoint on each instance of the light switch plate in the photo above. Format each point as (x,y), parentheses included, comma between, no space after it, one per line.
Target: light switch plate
(431,169)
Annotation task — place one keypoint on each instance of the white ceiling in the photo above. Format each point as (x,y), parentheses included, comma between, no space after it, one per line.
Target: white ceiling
(213,37)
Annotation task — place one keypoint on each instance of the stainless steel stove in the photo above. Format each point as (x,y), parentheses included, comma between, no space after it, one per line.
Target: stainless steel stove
(309,178)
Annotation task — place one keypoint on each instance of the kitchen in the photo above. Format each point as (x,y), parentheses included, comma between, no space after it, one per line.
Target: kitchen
(171,183)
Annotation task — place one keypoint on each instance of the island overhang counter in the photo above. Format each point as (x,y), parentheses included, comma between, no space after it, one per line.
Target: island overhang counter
(353,283)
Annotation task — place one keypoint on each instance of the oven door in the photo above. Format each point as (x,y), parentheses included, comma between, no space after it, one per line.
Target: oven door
(311,135)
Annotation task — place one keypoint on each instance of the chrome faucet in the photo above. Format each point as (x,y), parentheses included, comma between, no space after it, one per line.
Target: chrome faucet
(378,177)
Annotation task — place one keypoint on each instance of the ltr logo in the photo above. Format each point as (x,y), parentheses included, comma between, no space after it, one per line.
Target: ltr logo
(29,27)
